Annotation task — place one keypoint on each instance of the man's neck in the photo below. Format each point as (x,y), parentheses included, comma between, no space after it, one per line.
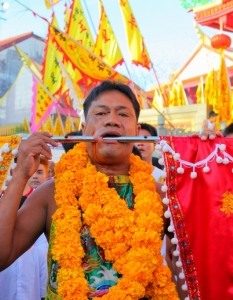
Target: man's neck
(26,190)
(148,160)
(113,170)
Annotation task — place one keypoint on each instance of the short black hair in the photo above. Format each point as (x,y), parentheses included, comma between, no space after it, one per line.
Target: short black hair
(212,114)
(228,130)
(68,146)
(151,129)
(106,86)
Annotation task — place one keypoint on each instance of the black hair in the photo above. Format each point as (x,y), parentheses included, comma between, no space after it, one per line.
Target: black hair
(135,151)
(106,86)
(228,130)
(212,114)
(68,146)
(151,129)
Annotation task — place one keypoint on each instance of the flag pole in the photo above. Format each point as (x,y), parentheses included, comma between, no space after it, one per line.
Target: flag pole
(90,17)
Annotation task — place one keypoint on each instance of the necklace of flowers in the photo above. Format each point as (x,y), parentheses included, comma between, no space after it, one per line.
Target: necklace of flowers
(131,239)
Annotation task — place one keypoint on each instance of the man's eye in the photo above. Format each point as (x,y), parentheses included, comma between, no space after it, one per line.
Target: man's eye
(100,113)
(123,115)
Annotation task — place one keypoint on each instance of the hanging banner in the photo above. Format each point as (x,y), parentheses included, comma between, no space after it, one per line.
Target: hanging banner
(89,65)
(200,192)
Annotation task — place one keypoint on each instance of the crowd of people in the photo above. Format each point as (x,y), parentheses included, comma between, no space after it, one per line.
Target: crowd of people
(33,211)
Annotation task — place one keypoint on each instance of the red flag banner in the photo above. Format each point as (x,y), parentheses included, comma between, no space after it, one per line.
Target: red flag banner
(200,191)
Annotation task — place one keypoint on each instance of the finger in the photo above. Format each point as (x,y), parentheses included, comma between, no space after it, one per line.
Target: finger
(219,134)
(204,135)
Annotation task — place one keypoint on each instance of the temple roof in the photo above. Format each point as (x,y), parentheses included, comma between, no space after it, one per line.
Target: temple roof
(4,44)
(213,14)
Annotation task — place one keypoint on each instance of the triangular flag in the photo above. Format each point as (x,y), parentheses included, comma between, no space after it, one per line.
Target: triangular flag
(49,124)
(26,126)
(58,129)
(200,92)
(78,27)
(106,46)
(51,3)
(69,126)
(137,47)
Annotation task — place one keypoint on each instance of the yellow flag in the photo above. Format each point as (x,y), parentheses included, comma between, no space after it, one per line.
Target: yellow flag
(26,126)
(157,100)
(42,128)
(69,126)
(78,28)
(106,46)
(174,95)
(58,129)
(52,77)
(51,3)
(137,47)
(182,100)
(223,104)
(49,124)
(42,105)
(87,63)
(199,92)
(67,17)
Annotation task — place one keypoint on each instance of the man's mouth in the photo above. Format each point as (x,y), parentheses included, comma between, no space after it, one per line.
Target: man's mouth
(111,135)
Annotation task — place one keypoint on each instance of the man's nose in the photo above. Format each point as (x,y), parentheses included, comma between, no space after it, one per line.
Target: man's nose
(112,120)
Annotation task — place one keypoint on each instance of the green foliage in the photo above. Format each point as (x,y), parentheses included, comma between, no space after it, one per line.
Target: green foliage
(193,3)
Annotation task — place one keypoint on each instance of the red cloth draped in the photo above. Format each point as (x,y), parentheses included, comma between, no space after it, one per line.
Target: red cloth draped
(205,233)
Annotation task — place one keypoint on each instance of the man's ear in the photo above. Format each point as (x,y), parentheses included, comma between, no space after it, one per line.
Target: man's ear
(137,129)
(83,127)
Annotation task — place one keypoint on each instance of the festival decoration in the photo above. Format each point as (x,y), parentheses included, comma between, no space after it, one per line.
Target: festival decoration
(135,242)
(51,3)
(8,150)
(106,46)
(221,41)
(201,218)
(26,126)
(90,66)
(211,89)
(67,17)
(58,129)
(69,126)
(49,124)
(138,52)
(193,3)
(78,27)
(200,92)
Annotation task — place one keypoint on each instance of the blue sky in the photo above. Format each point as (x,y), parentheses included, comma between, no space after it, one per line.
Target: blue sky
(166,26)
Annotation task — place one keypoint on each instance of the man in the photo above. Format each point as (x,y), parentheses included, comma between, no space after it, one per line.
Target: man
(26,278)
(147,149)
(51,169)
(41,174)
(110,110)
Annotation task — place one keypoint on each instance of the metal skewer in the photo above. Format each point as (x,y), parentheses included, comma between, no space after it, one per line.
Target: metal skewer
(121,139)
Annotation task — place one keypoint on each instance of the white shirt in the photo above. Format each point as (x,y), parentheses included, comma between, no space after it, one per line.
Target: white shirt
(157,174)
(26,278)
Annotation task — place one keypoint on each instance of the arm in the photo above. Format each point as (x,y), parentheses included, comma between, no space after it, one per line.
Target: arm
(19,229)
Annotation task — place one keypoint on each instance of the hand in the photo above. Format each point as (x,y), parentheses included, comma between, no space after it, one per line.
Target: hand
(205,134)
(28,158)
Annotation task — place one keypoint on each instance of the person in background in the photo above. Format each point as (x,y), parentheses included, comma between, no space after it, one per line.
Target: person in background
(41,174)
(147,149)
(228,131)
(51,169)
(26,278)
(210,123)
(68,146)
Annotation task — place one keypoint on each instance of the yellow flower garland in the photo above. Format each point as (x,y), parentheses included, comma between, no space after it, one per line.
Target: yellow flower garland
(130,238)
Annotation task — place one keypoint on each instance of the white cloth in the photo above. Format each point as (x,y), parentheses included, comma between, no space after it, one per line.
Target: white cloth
(26,278)
(157,174)
(209,124)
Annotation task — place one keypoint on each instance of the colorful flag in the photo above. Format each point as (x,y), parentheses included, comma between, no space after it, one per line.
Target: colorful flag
(26,126)
(223,104)
(78,27)
(106,46)
(51,3)
(42,105)
(157,100)
(52,77)
(49,124)
(182,100)
(211,88)
(69,126)
(87,63)
(137,47)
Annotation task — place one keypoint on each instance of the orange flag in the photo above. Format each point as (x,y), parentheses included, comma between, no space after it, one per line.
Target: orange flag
(52,77)
(78,28)
(91,67)
(106,46)
(137,47)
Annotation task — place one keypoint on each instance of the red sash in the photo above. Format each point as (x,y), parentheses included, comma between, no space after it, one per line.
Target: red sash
(202,213)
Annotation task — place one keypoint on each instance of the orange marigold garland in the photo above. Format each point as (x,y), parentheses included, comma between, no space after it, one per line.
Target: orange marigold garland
(130,238)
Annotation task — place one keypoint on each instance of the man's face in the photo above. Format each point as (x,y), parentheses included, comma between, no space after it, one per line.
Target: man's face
(213,119)
(146,149)
(38,177)
(112,114)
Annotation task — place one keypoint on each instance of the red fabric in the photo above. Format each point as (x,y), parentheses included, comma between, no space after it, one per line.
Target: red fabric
(205,233)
